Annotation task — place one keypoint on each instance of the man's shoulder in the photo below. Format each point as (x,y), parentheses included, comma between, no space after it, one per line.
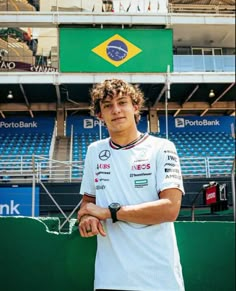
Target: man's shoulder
(99,143)
(160,141)
(157,138)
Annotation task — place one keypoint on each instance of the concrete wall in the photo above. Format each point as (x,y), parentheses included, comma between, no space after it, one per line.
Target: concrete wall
(34,256)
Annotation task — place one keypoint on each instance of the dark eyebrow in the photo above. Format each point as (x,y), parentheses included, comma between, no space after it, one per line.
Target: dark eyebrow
(122,98)
(108,101)
(105,101)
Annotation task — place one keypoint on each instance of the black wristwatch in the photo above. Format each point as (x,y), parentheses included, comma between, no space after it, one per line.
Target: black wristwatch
(114,207)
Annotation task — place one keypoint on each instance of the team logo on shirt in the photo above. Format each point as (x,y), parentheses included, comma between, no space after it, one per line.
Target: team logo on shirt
(172,170)
(103,166)
(104,155)
(138,167)
(140,183)
(170,165)
(103,173)
(172,158)
(173,176)
(100,187)
(96,180)
(170,152)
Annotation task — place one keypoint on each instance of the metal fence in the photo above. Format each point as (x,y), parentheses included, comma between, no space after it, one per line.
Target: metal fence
(22,168)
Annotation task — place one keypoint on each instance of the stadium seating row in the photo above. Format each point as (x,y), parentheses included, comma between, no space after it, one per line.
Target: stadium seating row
(202,144)
(201,154)
(25,144)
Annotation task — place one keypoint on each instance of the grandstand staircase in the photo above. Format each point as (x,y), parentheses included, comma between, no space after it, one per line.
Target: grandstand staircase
(61,154)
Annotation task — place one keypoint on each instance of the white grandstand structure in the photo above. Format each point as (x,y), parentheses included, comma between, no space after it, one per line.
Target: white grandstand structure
(205,28)
(203,57)
(34,82)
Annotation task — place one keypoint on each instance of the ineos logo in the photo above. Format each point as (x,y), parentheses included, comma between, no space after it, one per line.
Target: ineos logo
(104,155)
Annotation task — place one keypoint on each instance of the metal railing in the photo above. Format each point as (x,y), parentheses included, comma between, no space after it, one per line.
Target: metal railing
(198,8)
(96,6)
(40,169)
(203,63)
(20,168)
(207,167)
(45,169)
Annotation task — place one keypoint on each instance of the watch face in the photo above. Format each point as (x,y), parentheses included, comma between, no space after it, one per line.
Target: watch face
(114,205)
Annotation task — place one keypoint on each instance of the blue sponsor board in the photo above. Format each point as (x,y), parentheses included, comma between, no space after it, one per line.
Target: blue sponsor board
(83,124)
(27,125)
(17,201)
(197,124)
(90,124)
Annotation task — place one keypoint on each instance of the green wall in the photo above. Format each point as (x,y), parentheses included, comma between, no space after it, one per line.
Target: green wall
(35,257)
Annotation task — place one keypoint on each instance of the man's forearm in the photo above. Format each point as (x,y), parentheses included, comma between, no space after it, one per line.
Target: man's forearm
(148,213)
(166,209)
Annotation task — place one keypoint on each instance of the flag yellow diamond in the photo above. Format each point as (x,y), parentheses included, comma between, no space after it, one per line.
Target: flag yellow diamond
(116,50)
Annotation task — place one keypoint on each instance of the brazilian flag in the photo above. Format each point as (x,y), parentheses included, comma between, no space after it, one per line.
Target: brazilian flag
(115,50)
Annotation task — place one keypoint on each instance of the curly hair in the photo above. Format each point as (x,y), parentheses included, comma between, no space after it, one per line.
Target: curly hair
(112,88)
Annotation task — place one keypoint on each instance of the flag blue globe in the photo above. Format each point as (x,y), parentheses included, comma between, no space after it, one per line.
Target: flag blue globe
(117,50)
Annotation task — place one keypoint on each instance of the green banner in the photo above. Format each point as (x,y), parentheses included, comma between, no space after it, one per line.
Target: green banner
(115,50)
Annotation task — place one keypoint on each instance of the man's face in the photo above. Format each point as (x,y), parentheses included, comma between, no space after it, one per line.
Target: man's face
(118,113)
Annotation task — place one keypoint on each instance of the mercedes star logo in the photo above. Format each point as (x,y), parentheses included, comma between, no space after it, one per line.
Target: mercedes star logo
(104,155)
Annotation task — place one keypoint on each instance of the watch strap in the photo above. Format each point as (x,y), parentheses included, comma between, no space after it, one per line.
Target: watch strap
(113,215)
(113,211)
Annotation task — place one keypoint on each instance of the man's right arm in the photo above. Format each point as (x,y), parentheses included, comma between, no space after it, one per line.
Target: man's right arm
(87,199)
(88,224)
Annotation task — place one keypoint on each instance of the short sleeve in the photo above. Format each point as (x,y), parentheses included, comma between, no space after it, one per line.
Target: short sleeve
(168,168)
(88,185)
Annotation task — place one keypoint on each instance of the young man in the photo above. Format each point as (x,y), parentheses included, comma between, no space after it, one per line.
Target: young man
(132,189)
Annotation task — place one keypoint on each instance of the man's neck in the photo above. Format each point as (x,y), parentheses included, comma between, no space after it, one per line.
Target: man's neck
(124,138)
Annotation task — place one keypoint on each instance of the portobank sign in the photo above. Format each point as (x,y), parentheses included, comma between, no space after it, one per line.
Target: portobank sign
(91,123)
(184,122)
(20,124)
